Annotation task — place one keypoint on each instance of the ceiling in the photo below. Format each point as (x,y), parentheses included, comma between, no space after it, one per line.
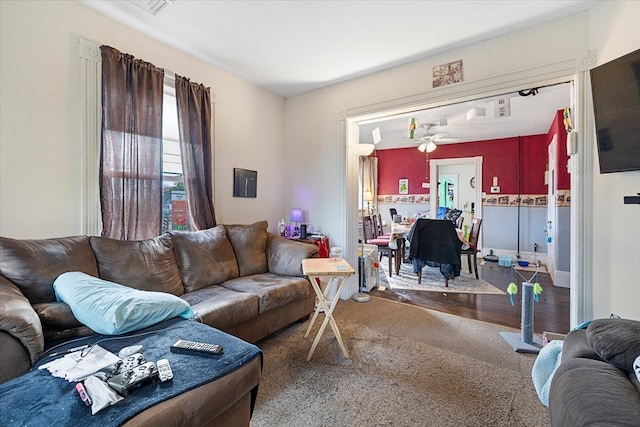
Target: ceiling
(463,122)
(292,47)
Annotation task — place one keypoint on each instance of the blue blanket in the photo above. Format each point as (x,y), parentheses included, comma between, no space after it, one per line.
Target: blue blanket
(39,399)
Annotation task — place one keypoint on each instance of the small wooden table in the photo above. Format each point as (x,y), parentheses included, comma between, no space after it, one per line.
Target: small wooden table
(329,269)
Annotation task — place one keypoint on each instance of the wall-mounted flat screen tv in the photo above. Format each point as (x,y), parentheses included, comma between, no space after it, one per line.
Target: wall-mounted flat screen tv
(615,87)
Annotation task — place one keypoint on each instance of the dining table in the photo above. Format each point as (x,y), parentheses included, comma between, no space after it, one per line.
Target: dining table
(397,242)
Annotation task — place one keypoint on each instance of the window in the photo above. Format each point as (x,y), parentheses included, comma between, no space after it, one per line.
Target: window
(174,196)
(168,196)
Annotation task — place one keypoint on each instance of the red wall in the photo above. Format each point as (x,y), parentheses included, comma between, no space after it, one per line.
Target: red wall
(500,158)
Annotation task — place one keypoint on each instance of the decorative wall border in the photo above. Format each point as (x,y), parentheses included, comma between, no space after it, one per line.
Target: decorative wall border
(563,199)
(406,199)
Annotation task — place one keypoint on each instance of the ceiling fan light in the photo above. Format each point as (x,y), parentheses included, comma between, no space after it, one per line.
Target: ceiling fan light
(476,112)
(422,147)
(430,146)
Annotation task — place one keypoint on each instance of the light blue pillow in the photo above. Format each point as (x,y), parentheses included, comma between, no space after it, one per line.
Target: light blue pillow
(112,309)
(544,367)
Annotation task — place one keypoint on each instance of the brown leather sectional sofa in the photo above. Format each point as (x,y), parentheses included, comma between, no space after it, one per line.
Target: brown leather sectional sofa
(240,279)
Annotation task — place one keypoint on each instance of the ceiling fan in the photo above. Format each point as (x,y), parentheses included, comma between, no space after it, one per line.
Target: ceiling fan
(428,140)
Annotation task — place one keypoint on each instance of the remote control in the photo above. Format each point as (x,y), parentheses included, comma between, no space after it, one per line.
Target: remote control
(198,348)
(164,370)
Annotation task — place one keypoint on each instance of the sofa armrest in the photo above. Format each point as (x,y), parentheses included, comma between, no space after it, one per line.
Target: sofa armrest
(18,318)
(284,256)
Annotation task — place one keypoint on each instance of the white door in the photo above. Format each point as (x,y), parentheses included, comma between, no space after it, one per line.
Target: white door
(551,209)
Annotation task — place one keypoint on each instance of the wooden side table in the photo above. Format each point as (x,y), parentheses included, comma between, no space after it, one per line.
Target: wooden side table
(329,269)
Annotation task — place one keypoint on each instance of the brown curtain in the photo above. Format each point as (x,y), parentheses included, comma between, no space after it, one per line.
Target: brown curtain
(131,157)
(194,124)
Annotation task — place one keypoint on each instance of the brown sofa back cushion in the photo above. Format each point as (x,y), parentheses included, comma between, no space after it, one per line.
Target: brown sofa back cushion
(249,244)
(205,257)
(33,265)
(148,265)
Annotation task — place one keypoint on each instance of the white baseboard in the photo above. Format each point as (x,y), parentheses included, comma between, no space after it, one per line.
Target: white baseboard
(562,279)
(525,256)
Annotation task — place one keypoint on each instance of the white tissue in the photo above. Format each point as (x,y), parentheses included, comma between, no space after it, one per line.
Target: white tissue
(101,394)
(75,367)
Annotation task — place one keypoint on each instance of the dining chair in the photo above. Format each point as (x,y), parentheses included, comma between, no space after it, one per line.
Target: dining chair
(371,238)
(435,243)
(377,223)
(393,212)
(472,250)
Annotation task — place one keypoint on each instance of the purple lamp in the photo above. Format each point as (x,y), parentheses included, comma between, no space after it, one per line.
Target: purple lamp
(296,217)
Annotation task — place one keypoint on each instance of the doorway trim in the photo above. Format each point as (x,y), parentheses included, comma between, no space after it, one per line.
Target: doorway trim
(574,69)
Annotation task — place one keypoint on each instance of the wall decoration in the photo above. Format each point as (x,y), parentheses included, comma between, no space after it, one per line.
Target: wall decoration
(447,74)
(409,199)
(527,200)
(245,182)
(563,198)
(403,186)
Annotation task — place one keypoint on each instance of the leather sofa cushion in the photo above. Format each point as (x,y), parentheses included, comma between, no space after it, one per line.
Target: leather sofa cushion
(285,256)
(52,334)
(273,290)
(587,392)
(57,315)
(249,244)
(205,257)
(33,265)
(616,341)
(222,308)
(18,319)
(576,345)
(148,265)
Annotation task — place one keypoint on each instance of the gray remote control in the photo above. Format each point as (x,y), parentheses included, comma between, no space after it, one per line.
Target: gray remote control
(198,348)
(164,370)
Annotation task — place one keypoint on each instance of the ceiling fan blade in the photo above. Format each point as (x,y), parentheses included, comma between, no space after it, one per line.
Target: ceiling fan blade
(447,139)
(439,135)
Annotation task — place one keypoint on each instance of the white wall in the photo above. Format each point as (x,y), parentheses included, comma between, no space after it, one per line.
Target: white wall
(312,127)
(40,150)
(614,31)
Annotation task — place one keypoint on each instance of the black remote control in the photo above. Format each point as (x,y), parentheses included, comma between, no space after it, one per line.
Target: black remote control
(197,348)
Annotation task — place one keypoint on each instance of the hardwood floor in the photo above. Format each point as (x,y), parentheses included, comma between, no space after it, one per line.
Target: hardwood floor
(551,312)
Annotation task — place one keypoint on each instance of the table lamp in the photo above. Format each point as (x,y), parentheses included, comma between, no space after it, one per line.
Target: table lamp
(367,196)
(296,217)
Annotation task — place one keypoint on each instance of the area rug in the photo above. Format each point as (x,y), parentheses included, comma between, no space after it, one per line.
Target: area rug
(433,281)
(407,367)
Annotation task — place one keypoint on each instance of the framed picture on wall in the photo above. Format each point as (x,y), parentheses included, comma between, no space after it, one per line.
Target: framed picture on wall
(245,182)
(447,74)
(403,186)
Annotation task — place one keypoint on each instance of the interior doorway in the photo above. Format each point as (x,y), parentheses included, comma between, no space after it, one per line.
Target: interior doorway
(490,87)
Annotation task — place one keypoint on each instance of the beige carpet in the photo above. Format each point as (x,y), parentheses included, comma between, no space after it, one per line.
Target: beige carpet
(408,367)
(433,281)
